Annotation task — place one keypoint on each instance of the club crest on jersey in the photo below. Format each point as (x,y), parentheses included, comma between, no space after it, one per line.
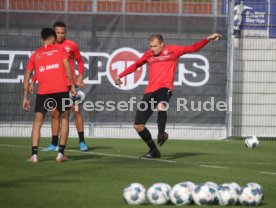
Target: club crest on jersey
(38,56)
(165,52)
(67,48)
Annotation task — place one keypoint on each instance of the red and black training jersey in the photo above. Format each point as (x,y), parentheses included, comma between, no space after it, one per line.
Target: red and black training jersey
(47,62)
(73,53)
(161,68)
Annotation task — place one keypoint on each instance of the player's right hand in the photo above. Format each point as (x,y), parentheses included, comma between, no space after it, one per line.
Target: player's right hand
(26,104)
(118,81)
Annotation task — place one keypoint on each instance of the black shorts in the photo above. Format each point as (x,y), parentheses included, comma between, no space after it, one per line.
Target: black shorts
(145,108)
(48,102)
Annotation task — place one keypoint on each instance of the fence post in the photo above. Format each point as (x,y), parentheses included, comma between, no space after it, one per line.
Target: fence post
(94,6)
(230,67)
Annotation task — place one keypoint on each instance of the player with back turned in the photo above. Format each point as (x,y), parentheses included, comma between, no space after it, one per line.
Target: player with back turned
(162,61)
(73,53)
(52,69)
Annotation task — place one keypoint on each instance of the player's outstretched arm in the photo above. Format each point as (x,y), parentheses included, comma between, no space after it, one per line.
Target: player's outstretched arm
(215,37)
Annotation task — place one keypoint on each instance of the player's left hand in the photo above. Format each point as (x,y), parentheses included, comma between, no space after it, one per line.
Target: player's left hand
(215,37)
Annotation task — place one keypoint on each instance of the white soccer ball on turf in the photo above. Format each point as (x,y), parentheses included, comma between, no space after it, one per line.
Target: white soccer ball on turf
(181,193)
(158,193)
(236,186)
(214,189)
(251,195)
(134,194)
(203,194)
(227,195)
(251,142)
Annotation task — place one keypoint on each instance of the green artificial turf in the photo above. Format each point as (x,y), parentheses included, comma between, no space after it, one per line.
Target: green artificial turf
(97,178)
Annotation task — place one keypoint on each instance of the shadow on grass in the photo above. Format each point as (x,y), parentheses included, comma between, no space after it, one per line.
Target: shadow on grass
(182,155)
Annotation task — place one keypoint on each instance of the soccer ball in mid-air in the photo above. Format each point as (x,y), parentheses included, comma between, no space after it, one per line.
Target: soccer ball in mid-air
(227,195)
(181,193)
(134,194)
(79,98)
(203,194)
(251,194)
(251,142)
(158,193)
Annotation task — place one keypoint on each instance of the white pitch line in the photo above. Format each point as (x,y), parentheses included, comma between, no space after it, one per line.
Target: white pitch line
(268,173)
(96,153)
(213,166)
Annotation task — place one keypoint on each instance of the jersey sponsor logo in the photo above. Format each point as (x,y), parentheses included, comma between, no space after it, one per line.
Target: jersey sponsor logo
(193,69)
(48,67)
(52,66)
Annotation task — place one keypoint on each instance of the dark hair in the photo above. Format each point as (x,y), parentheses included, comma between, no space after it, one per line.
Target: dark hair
(59,24)
(157,36)
(47,32)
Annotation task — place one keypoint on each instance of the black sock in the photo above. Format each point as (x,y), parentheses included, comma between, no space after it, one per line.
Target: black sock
(146,136)
(34,150)
(161,120)
(61,149)
(81,136)
(54,140)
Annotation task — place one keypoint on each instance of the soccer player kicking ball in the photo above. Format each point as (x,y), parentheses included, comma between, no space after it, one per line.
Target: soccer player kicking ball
(162,61)
(50,63)
(73,53)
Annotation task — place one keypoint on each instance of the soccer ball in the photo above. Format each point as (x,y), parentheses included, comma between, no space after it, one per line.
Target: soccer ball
(235,186)
(251,142)
(79,98)
(214,189)
(227,195)
(134,194)
(203,194)
(251,194)
(181,193)
(158,193)
(256,185)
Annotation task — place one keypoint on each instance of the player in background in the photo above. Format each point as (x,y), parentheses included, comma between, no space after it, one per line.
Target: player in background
(162,61)
(74,54)
(51,65)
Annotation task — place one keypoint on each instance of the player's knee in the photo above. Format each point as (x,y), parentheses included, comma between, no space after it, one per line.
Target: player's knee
(139,127)
(55,114)
(161,107)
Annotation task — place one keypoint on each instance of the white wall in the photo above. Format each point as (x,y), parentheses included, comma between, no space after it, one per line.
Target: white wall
(254,89)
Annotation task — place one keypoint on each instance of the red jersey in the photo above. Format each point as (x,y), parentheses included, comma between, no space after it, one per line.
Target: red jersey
(161,68)
(47,62)
(73,52)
